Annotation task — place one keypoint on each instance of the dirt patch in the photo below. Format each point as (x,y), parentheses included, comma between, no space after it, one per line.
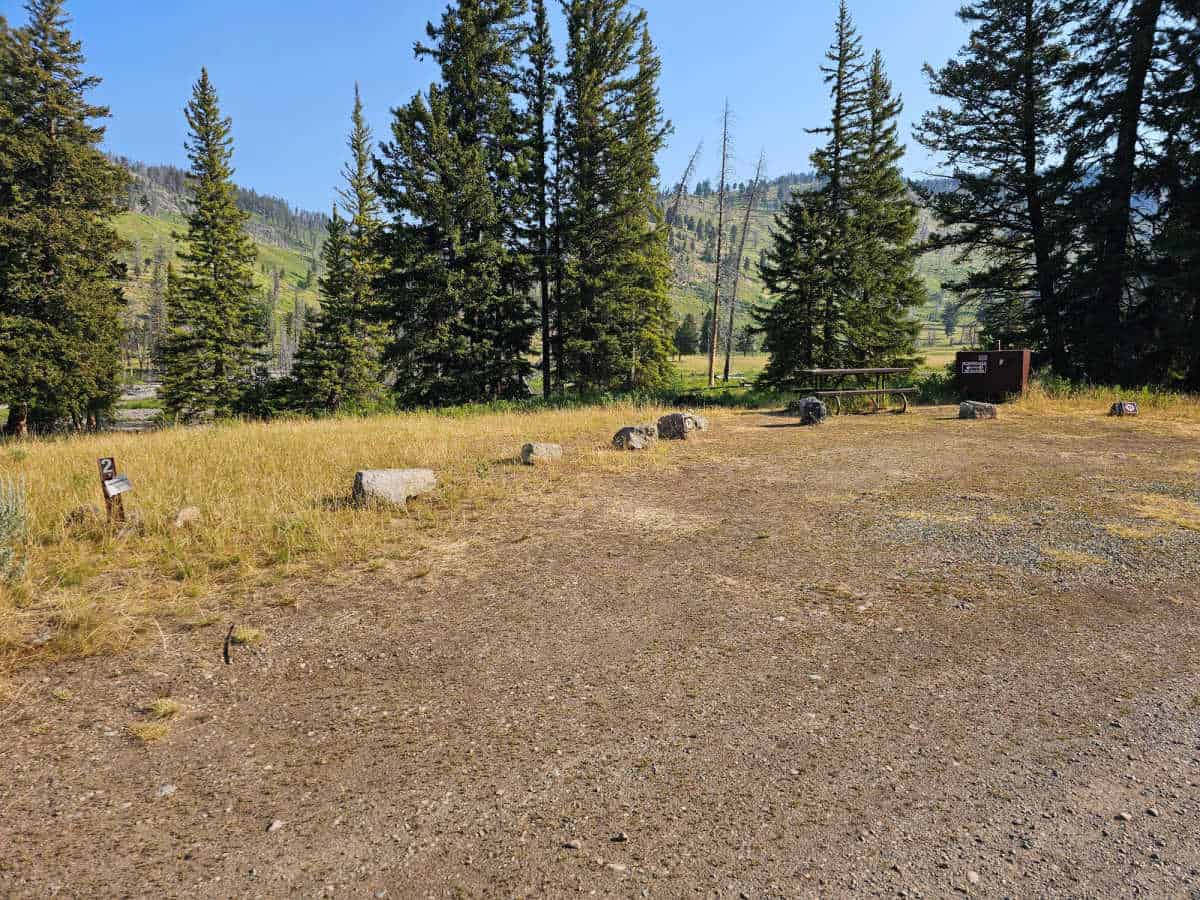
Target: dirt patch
(809,662)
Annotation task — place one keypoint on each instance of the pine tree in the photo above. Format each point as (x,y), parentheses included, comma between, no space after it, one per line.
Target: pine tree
(800,271)
(213,350)
(540,91)
(880,331)
(841,262)
(747,340)
(454,178)
(60,304)
(1171,312)
(706,332)
(616,310)
(833,162)
(1116,50)
(687,337)
(1000,131)
(808,267)
(337,365)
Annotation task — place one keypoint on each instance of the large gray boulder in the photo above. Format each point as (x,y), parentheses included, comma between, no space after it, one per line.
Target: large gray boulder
(540,454)
(973,409)
(680,426)
(635,437)
(810,410)
(392,486)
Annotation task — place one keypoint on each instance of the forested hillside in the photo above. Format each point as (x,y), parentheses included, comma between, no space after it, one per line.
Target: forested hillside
(288,241)
(693,244)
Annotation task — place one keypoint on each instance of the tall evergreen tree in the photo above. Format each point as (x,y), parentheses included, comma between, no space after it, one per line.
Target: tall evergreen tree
(880,329)
(841,259)
(833,163)
(213,348)
(616,310)
(60,304)
(687,337)
(540,92)
(454,179)
(1000,131)
(1117,46)
(1171,314)
(337,364)
(705,340)
(800,271)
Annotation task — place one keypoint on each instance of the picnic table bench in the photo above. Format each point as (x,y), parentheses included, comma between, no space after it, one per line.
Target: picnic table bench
(838,376)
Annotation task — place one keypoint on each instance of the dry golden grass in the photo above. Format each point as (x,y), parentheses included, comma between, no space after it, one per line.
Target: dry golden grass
(1154,405)
(246,636)
(273,499)
(150,732)
(163,708)
(1071,559)
(1169,510)
(1134,534)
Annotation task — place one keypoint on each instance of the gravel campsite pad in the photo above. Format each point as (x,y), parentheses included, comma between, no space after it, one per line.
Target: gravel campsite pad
(891,655)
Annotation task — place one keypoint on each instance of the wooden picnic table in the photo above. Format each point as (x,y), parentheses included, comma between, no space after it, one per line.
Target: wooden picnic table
(838,376)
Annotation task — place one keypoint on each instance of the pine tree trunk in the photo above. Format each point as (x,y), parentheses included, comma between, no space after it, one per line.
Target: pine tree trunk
(1113,265)
(1047,299)
(18,421)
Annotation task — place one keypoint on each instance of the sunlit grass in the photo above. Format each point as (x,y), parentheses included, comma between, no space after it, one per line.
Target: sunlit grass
(273,499)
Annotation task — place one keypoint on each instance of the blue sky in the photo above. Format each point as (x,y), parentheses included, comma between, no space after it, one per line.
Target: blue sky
(285,71)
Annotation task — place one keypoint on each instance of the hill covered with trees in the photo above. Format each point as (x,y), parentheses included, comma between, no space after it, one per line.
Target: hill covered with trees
(288,241)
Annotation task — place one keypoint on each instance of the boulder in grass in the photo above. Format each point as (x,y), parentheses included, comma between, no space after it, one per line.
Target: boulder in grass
(810,410)
(973,409)
(677,426)
(1124,408)
(540,454)
(635,437)
(392,486)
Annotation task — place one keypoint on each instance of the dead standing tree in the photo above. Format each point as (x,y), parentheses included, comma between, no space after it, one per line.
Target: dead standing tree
(716,312)
(676,203)
(751,201)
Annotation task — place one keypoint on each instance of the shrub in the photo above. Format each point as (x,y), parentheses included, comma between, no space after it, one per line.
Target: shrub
(14,522)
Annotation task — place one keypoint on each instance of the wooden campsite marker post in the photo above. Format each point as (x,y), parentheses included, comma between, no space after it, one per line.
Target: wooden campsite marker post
(113,486)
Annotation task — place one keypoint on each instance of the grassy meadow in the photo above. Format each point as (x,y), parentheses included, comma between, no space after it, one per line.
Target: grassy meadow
(273,499)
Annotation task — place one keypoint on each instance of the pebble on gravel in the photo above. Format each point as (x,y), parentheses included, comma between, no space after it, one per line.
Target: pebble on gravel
(572,845)
(274,826)
(1124,817)
(620,837)
(973,877)
(167,790)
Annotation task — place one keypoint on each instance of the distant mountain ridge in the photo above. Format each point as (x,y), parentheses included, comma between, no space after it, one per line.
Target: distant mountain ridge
(160,191)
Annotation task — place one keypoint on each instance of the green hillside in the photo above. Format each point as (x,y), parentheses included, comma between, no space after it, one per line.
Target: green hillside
(146,234)
(694,253)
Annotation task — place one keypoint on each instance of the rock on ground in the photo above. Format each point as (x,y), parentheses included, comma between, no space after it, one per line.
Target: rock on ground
(972,409)
(680,426)
(534,454)
(810,410)
(394,486)
(635,437)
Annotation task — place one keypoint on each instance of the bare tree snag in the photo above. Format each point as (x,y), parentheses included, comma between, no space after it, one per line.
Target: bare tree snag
(751,201)
(712,342)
